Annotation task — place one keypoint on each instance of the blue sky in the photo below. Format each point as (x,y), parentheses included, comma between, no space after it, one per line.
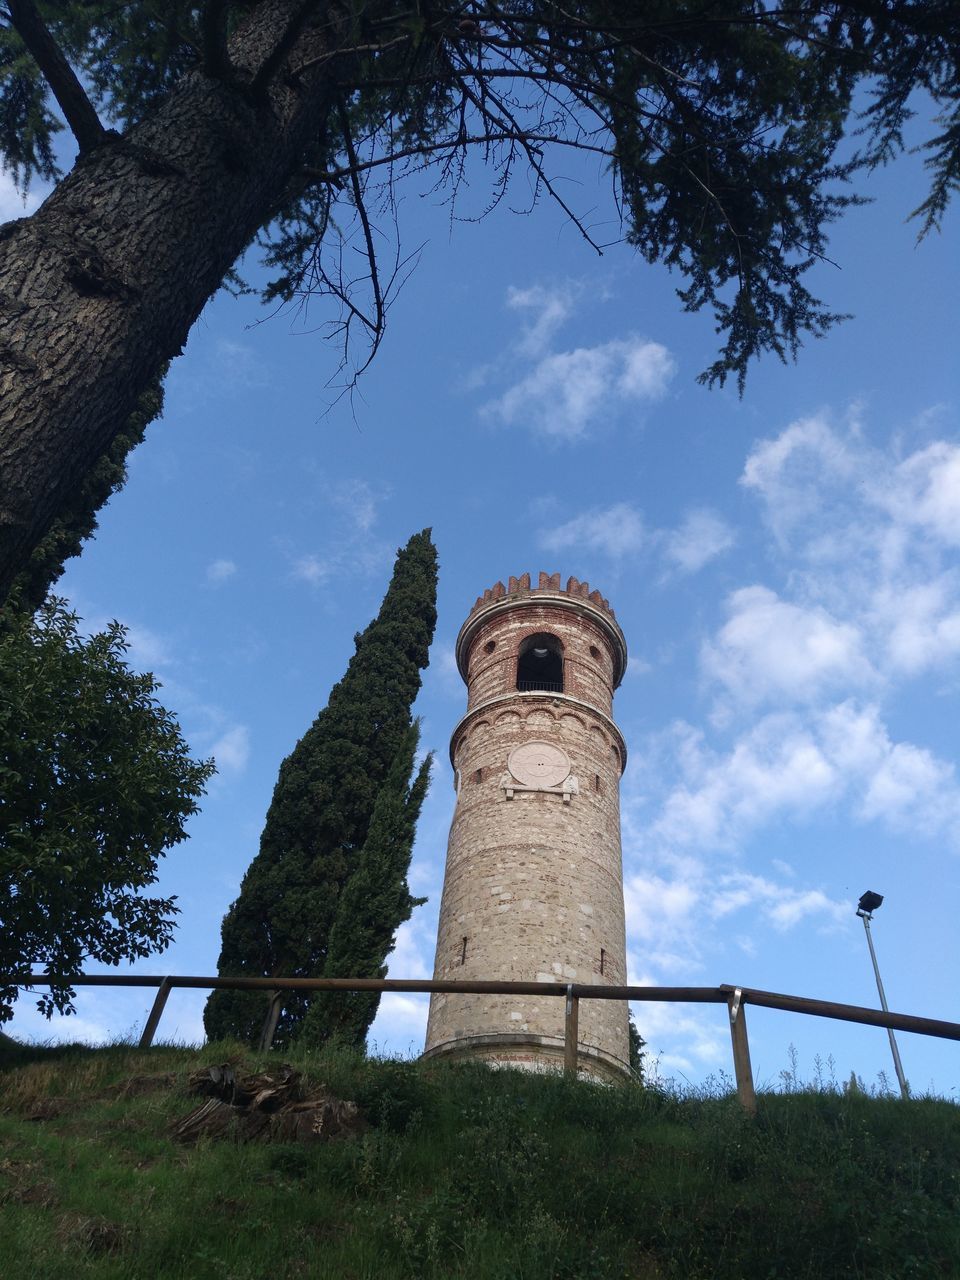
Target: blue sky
(784,568)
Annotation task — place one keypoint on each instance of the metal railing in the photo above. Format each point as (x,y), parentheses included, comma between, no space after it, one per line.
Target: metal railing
(540,686)
(735,998)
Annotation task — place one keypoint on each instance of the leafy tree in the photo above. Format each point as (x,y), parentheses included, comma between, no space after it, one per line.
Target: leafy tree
(375,901)
(320,815)
(718,123)
(96,784)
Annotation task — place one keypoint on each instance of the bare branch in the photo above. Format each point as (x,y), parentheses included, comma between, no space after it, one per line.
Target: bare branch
(376,325)
(453,144)
(77,108)
(351,50)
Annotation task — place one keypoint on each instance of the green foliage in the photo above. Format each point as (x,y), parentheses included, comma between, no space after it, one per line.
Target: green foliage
(374,902)
(637,1044)
(469,1174)
(27,125)
(97,784)
(322,806)
(721,124)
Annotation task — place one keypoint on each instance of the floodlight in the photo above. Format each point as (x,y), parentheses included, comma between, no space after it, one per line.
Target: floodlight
(865,909)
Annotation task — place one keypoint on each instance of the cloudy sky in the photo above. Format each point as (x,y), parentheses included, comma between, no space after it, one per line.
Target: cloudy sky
(785,568)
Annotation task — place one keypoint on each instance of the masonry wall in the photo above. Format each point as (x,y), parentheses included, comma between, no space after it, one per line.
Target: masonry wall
(533,889)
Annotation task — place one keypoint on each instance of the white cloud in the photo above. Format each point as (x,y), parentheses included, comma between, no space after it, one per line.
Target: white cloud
(776,766)
(657,908)
(871,530)
(360,500)
(220,570)
(793,471)
(771,649)
(401,1023)
(550,307)
(412,955)
(696,1038)
(925,491)
(912,788)
(146,649)
(701,537)
(238,366)
(568,392)
(638,666)
(794,764)
(232,749)
(921,623)
(312,569)
(683,916)
(617,531)
(351,546)
(12,203)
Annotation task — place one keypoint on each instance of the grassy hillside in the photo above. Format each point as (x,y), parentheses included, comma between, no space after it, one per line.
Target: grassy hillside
(466,1173)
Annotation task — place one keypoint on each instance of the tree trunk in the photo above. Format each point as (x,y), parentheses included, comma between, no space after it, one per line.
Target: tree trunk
(102,284)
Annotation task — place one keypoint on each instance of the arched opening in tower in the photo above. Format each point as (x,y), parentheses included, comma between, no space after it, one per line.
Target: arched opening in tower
(540,665)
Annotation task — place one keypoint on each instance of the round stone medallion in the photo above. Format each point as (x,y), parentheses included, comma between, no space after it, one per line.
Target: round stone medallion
(539,764)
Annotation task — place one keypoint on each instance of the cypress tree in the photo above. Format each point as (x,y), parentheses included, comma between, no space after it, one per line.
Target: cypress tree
(322,805)
(375,901)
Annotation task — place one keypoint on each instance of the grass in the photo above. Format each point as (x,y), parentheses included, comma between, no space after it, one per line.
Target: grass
(466,1172)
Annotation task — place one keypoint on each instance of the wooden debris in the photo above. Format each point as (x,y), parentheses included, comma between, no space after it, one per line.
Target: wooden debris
(263,1107)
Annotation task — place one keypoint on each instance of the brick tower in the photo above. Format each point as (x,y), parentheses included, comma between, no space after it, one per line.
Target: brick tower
(533,889)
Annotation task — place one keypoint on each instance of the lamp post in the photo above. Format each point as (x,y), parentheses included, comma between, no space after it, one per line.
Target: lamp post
(865,909)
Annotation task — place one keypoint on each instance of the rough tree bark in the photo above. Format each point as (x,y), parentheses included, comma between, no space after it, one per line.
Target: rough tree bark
(102,284)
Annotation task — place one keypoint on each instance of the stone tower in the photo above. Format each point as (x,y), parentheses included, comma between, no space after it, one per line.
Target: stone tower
(533,889)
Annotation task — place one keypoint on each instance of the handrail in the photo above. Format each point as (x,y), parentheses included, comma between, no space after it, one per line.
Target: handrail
(734,997)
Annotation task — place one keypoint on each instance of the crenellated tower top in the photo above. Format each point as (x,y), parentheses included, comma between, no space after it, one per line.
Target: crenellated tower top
(548,582)
(576,596)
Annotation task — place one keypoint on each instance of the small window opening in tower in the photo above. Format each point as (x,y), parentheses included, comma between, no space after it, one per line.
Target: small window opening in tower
(540,665)
(463,952)
(596,782)
(478,776)
(603,958)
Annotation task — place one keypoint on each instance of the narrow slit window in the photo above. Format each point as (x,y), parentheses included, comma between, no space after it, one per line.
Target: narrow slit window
(478,776)
(603,959)
(596,782)
(463,952)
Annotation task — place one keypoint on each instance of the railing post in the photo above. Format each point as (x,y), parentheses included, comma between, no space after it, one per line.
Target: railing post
(270,1022)
(150,1030)
(570,1031)
(741,1052)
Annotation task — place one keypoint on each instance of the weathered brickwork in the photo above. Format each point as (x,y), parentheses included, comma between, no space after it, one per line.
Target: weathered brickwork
(533,889)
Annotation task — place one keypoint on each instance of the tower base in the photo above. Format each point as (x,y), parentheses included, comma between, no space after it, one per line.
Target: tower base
(534,1053)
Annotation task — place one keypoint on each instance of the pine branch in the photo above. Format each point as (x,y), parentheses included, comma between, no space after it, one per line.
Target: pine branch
(77,108)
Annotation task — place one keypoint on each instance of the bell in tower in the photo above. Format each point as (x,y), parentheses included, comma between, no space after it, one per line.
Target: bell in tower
(533,889)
